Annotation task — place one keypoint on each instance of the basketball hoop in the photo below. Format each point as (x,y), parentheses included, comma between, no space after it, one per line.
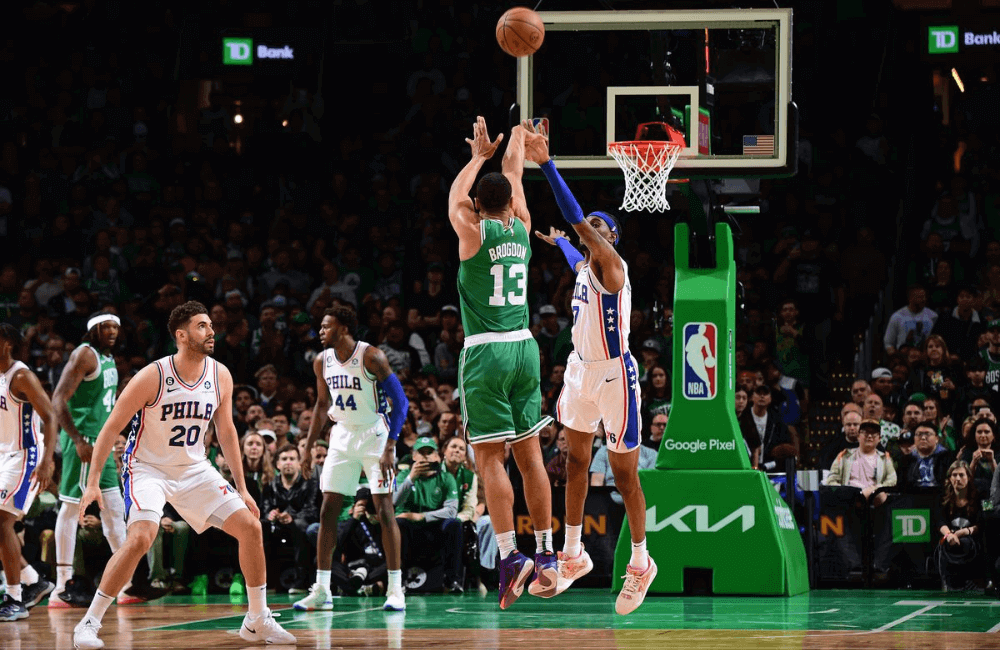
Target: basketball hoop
(647,165)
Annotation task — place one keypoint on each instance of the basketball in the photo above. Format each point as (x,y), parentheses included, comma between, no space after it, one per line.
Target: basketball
(520,31)
(709,362)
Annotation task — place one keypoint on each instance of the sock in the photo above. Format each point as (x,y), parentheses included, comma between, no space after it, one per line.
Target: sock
(640,558)
(323,578)
(65,533)
(507,543)
(258,600)
(99,605)
(543,541)
(113,518)
(14,591)
(28,575)
(395,581)
(571,547)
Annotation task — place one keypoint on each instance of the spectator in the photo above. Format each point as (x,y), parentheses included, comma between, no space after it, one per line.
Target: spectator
(447,426)
(961,327)
(288,510)
(912,324)
(874,410)
(790,350)
(959,525)
(946,425)
(456,463)
(957,227)
(175,532)
(450,345)
(403,357)
(426,501)
(267,384)
(937,376)
(658,394)
(974,388)
(600,468)
(556,467)
(860,390)
(547,439)
(979,454)
(427,305)
(651,352)
(332,287)
(257,466)
(776,441)
(269,342)
(657,427)
(548,329)
(927,464)
(992,355)
(850,423)
(282,430)
(742,397)
(882,385)
(303,346)
(864,467)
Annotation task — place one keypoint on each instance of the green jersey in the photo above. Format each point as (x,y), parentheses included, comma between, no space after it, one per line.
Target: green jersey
(91,403)
(992,371)
(493,284)
(428,492)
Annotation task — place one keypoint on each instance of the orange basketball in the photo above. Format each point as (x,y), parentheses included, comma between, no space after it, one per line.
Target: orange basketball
(520,31)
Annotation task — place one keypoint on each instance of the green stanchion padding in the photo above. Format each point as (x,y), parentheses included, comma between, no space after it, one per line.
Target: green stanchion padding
(733,522)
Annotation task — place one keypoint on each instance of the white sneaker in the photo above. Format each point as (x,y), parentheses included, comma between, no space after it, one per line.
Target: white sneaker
(264,628)
(85,634)
(573,568)
(319,598)
(394,602)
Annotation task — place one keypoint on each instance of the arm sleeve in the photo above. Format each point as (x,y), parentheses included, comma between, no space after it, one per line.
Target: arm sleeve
(570,209)
(573,256)
(400,405)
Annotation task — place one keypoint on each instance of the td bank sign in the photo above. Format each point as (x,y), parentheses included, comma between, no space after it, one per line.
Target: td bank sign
(240,51)
(945,39)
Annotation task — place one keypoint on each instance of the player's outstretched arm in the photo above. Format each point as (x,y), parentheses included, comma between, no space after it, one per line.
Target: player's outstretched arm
(513,169)
(26,384)
(461,210)
(377,364)
(319,415)
(81,363)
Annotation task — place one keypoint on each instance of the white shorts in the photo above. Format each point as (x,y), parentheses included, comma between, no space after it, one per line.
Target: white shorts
(608,391)
(351,452)
(198,492)
(17,492)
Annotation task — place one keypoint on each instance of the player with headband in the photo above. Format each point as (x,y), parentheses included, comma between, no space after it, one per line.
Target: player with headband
(601,382)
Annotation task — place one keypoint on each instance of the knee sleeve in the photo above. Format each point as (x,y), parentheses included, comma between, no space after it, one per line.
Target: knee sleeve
(66,524)
(113,518)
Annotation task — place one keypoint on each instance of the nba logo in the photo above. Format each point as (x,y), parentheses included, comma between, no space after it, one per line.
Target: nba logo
(700,359)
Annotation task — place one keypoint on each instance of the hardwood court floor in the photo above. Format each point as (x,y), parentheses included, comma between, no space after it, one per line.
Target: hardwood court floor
(577,620)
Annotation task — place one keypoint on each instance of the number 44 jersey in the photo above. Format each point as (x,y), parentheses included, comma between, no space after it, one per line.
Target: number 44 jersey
(355,398)
(493,283)
(171,431)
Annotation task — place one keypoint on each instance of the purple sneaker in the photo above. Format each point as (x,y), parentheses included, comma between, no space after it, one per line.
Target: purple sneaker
(514,572)
(546,579)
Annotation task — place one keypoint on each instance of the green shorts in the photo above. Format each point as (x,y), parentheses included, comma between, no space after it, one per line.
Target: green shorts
(500,388)
(74,473)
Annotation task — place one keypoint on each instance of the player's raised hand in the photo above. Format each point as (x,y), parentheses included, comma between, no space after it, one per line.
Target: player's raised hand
(554,233)
(536,145)
(91,494)
(481,145)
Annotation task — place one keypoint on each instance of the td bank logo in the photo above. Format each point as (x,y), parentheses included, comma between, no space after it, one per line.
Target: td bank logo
(911,526)
(702,524)
(237,51)
(943,39)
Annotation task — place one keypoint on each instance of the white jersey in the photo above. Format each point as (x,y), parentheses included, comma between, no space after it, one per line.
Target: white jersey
(172,430)
(355,399)
(600,319)
(20,426)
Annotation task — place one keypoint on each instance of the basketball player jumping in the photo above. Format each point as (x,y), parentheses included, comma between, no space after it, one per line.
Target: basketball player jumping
(601,382)
(25,460)
(353,380)
(83,400)
(170,404)
(499,366)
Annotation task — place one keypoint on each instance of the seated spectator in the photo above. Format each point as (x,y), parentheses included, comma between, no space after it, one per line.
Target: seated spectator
(657,428)
(860,390)
(974,388)
(556,467)
(926,466)
(850,423)
(932,411)
(289,508)
(449,346)
(359,561)
(269,341)
(600,468)
(173,532)
(936,377)
(864,467)
(961,327)
(426,501)
(446,426)
(874,410)
(957,226)
(742,396)
(911,324)
(547,439)
(657,394)
(959,525)
(456,463)
(776,441)
(267,385)
(901,449)
(979,454)
(257,466)
(403,358)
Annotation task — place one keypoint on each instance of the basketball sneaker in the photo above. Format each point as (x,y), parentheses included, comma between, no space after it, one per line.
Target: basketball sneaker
(636,585)
(319,599)
(264,628)
(33,594)
(573,568)
(85,634)
(12,610)
(546,582)
(56,602)
(395,601)
(514,572)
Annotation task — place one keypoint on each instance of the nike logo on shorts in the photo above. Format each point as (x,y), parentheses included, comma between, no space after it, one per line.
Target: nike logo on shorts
(609,380)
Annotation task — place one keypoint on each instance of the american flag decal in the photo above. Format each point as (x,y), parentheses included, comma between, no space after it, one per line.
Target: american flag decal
(758,145)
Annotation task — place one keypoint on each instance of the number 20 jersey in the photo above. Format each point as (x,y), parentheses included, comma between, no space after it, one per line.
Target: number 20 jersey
(171,431)
(355,398)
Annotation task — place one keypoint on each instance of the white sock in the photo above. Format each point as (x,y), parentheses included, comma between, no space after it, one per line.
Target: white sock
(99,606)
(571,547)
(66,525)
(258,600)
(395,581)
(323,578)
(28,575)
(14,591)
(543,540)
(507,543)
(113,519)
(640,558)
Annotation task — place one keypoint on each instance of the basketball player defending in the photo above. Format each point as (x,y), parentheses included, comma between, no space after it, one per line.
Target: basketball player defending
(83,400)
(25,460)
(170,404)
(499,367)
(600,384)
(353,380)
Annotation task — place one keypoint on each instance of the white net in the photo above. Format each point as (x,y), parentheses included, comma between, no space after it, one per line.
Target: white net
(647,167)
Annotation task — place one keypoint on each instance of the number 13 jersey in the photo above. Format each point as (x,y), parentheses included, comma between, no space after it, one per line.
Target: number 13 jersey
(355,398)
(493,283)
(171,431)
